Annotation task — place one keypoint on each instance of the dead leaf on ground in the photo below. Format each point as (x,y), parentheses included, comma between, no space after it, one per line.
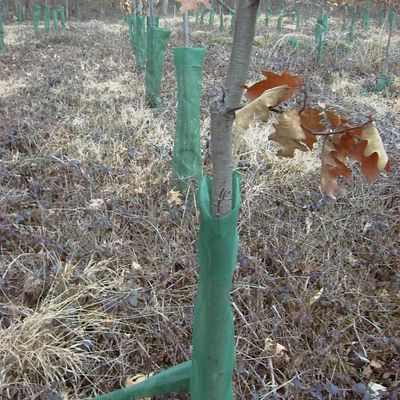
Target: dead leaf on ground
(175,198)
(316,296)
(274,348)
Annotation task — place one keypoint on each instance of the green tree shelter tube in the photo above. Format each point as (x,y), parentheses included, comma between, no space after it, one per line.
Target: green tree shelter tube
(140,46)
(208,375)
(212,16)
(213,334)
(186,161)
(2,46)
(36,16)
(47,18)
(172,380)
(62,15)
(158,40)
(55,20)
(150,22)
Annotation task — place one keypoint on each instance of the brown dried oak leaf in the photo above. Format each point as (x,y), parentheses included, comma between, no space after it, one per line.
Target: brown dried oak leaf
(289,133)
(259,107)
(370,152)
(274,80)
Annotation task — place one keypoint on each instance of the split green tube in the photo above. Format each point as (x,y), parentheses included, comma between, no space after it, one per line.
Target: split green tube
(172,380)
(213,333)
(186,160)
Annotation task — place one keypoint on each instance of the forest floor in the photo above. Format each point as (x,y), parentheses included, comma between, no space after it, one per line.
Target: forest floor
(98,264)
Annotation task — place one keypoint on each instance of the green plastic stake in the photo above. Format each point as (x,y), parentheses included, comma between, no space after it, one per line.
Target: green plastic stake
(62,14)
(55,20)
(2,45)
(213,333)
(221,19)
(172,380)
(156,56)
(212,16)
(36,16)
(78,15)
(186,160)
(47,18)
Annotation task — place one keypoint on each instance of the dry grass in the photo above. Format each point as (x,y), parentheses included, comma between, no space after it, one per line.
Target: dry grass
(98,271)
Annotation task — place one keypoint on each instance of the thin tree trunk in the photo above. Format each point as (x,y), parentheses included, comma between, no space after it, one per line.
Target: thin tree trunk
(186,29)
(222,108)
(165,8)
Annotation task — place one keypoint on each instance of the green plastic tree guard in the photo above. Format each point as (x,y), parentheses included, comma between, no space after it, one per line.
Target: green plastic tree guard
(186,160)
(172,380)
(212,16)
(62,15)
(298,18)
(213,333)
(233,22)
(20,14)
(47,18)
(202,13)
(321,28)
(150,22)
(208,375)
(140,46)
(36,16)
(158,42)
(78,15)
(55,20)
(2,46)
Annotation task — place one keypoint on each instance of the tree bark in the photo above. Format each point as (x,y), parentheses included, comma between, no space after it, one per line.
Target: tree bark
(222,108)
(165,8)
